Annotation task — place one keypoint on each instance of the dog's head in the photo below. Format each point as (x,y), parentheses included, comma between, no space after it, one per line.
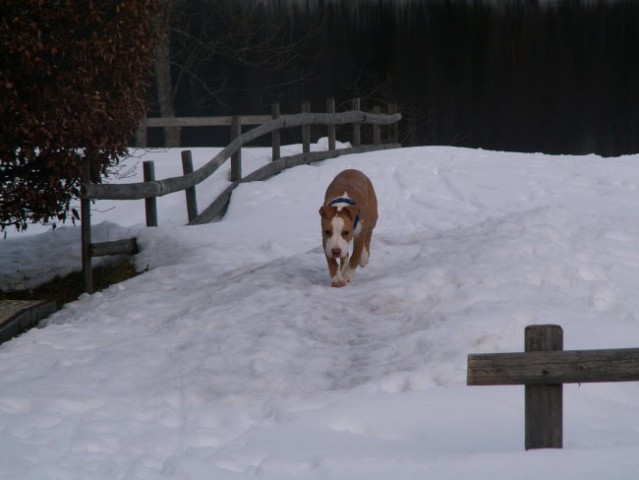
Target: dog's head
(338,229)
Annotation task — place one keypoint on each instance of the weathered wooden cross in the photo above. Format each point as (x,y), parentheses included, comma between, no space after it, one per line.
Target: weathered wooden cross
(543,368)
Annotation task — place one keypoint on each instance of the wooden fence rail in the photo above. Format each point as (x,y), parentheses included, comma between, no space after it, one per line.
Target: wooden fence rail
(133,191)
(543,368)
(225,121)
(150,188)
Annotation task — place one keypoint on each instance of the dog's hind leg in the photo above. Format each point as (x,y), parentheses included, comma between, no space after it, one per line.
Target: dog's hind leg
(356,258)
(363,260)
(366,251)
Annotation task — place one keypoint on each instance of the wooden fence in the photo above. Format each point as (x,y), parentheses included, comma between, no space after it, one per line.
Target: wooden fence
(150,188)
(543,368)
(236,122)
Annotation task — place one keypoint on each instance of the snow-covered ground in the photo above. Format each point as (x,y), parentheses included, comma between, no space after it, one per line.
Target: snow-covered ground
(231,357)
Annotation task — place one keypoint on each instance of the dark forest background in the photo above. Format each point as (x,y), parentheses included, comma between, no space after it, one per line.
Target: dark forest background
(549,76)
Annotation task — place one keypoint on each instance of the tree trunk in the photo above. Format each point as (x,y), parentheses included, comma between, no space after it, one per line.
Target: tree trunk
(163,73)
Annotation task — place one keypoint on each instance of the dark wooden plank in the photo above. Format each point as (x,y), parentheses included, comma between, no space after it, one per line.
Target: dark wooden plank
(127,246)
(17,316)
(276,167)
(204,121)
(221,121)
(217,209)
(570,366)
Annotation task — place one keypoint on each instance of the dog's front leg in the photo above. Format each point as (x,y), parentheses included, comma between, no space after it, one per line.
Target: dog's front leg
(358,246)
(337,280)
(344,263)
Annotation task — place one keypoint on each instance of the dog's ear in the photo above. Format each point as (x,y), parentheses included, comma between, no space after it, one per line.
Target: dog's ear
(350,211)
(327,212)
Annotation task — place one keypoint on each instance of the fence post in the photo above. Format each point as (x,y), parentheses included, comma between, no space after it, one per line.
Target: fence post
(357,131)
(276,138)
(140,134)
(330,108)
(377,132)
(394,128)
(544,422)
(236,159)
(191,199)
(306,129)
(85,214)
(150,204)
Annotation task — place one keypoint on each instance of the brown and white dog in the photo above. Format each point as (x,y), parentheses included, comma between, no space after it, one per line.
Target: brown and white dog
(349,212)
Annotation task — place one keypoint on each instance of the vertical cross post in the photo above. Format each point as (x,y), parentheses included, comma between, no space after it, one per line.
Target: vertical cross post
(191,198)
(276,138)
(306,129)
(141,134)
(236,159)
(357,131)
(544,403)
(85,212)
(150,204)
(393,135)
(330,108)
(377,132)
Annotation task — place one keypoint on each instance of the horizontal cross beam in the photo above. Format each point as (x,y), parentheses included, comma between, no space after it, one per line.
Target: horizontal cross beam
(554,367)
(127,246)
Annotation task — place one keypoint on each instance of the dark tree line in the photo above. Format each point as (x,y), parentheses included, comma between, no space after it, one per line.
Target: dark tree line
(558,77)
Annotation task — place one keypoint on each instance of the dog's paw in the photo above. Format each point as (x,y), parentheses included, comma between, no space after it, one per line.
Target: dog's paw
(363,259)
(338,281)
(348,275)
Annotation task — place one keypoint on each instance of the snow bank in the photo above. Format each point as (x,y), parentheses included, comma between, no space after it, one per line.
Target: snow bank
(231,357)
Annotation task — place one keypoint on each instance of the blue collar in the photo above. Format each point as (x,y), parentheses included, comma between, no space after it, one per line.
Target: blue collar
(349,202)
